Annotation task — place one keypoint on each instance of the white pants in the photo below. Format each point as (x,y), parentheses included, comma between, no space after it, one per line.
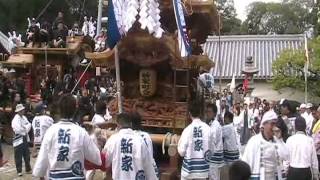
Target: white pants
(214,173)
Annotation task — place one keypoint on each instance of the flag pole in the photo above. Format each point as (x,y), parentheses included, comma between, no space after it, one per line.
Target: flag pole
(116,58)
(219,48)
(306,70)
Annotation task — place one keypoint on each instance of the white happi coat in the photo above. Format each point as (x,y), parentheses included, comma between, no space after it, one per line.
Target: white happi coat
(147,139)
(64,148)
(40,124)
(98,119)
(272,153)
(216,160)
(230,144)
(129,156)
(193,146)
(21,127)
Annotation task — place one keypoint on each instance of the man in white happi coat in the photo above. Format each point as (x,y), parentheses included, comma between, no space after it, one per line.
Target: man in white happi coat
(194,147)
(65,147)
(308,118)
(136,126)
(128,154)
(21,127)
(230,142)
(264,153)
(98,118)
(216,160)
(41,122)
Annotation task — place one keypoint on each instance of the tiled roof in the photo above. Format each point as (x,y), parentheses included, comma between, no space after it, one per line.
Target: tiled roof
(234,49)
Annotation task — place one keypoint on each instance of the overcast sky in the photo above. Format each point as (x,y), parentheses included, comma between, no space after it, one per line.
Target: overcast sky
(242,4)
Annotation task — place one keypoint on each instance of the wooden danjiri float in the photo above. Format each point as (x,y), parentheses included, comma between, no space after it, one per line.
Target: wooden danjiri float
(156,82)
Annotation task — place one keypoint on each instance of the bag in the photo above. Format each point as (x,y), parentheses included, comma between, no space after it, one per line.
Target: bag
(17,140)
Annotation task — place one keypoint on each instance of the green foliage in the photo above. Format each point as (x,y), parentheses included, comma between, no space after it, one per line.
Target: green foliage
(230,23)
(288,69)
(278,18)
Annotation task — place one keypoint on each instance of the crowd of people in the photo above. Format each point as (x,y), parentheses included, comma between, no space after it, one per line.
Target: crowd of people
(54,35)
(279,142)
(254,138)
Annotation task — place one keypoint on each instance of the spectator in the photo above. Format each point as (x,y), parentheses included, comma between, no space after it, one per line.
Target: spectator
(303,158)
(21,128)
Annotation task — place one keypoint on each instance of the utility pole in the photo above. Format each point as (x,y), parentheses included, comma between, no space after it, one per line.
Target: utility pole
(99,17)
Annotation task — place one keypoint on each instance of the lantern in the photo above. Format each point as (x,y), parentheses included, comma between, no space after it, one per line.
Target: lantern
(147,82)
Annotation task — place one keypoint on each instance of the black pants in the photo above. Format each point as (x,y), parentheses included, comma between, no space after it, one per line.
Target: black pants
(1,154)
(318,162)
(22,151)
(299,174)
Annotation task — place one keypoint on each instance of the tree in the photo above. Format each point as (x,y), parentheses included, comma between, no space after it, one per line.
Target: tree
(276,18)
(288,69)
(230,23)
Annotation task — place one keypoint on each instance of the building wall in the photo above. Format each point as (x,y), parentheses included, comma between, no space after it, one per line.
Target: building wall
(264,90)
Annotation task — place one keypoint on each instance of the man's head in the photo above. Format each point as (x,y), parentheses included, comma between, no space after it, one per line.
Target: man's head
(309,107)
(67,106)
(239,170)
(17,97)
(302,108)
(136,121)
(20,109)
(211,111)
(267,124)
(101,107)
(315,113)
(40,109)
(195,109)
(124,120)
(300,124)
(286,108)
(228,117)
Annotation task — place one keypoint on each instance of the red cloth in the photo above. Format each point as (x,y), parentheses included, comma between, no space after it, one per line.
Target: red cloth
(245,85)
(90,166)
(85,77)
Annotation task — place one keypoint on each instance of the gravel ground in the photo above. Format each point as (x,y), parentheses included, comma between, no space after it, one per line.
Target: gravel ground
(8,172)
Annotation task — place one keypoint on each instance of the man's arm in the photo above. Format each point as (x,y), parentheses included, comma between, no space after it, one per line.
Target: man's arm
(183,143)
(314,163)
(91,150)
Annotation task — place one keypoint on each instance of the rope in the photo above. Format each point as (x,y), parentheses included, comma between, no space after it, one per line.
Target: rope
(44,9)
(74,88)
(164,142)
(46,60)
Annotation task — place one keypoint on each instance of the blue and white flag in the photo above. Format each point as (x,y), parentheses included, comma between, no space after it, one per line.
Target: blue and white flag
(184,43)
(113,33)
